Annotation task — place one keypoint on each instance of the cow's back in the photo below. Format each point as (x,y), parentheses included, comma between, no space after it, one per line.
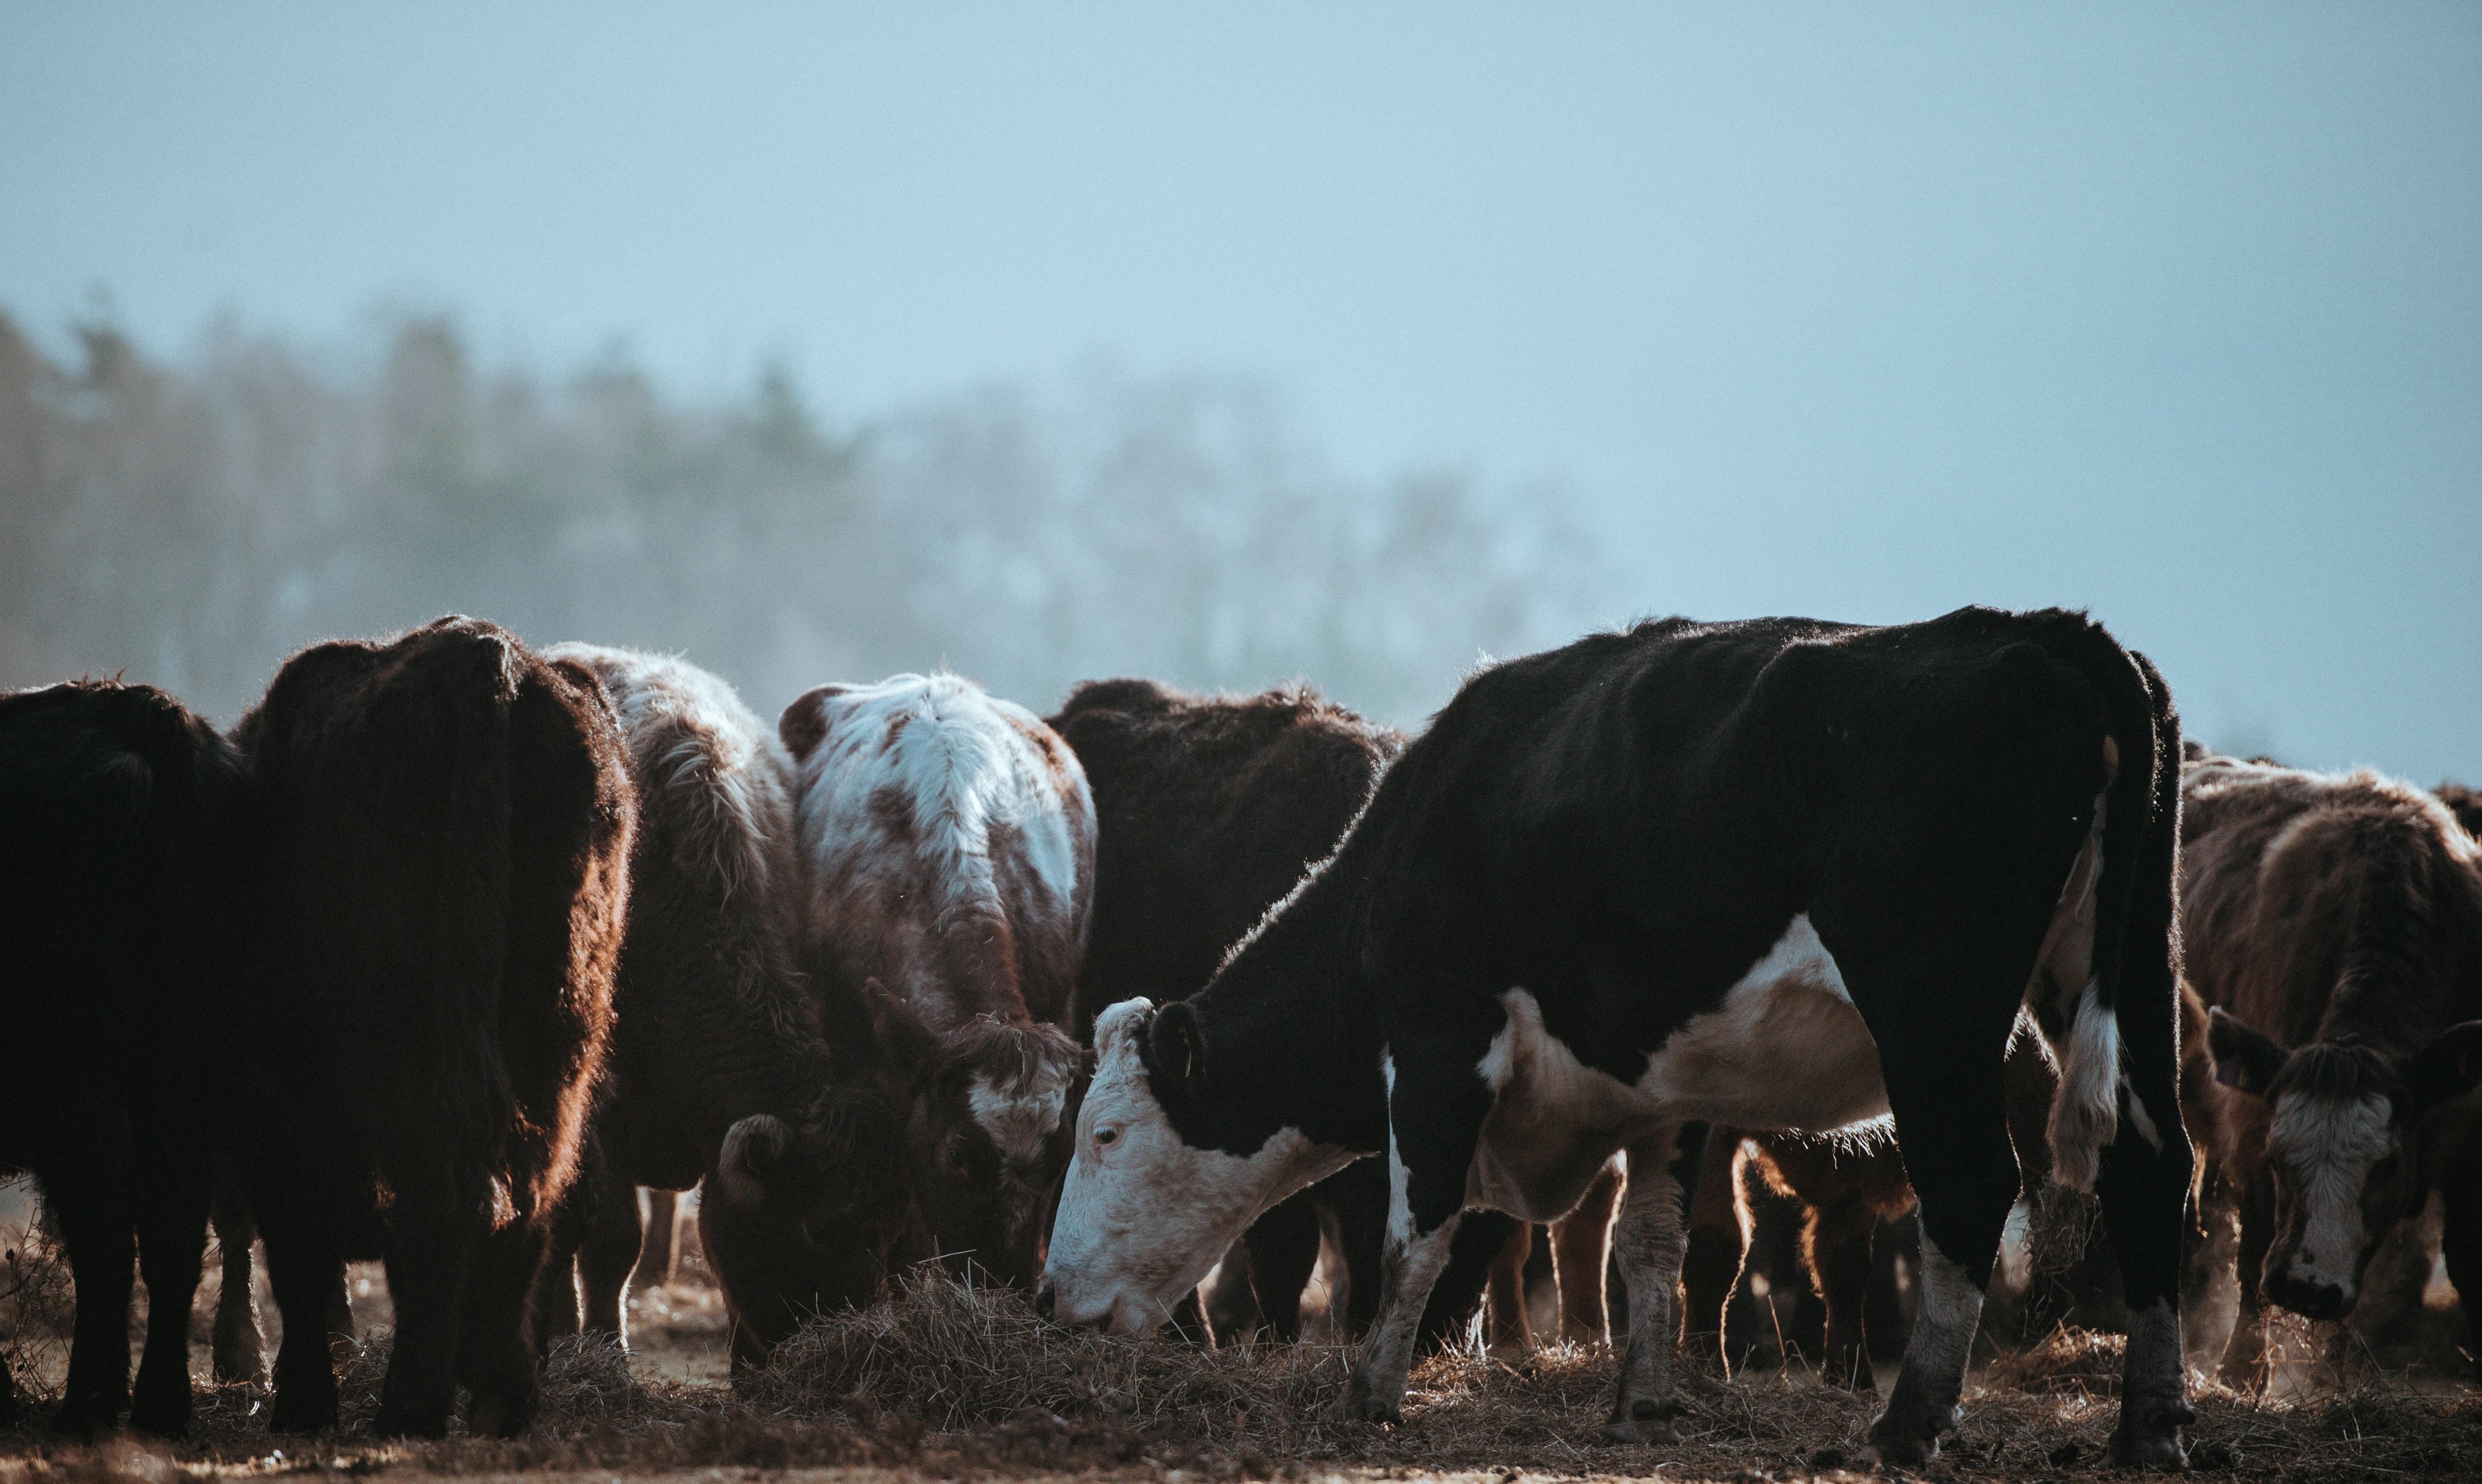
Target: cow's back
(2295,884)
(1208,810)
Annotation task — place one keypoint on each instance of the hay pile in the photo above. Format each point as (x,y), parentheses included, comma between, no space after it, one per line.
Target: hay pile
(952,1381)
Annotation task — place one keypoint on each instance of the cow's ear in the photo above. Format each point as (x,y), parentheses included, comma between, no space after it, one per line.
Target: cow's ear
(2244,1058)
(2446,1068)
(752,1150)
(803,725)
(908,1051)
(1175,1047)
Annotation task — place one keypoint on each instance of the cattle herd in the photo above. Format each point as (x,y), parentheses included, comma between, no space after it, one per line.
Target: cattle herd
(452,945)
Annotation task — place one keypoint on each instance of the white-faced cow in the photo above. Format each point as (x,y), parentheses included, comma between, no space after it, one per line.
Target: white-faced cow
(2334,923)
(116,812)
(445,819)
(721,1067)
(1774,874)
(949,843)
(1208,811)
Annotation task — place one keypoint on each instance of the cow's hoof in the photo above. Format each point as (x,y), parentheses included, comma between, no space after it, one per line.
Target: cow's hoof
(1363,1403)
(166,1416)
(1905,1443)
(2149,1434)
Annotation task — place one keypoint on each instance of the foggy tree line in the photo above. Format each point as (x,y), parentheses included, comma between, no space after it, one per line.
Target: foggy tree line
(189,523)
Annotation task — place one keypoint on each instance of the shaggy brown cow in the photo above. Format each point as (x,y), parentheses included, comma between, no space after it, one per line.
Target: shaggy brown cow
(1209,809)
(446,825)
(115,813)
(949,843)
(2334,923)
(2464,803)
(720,1067)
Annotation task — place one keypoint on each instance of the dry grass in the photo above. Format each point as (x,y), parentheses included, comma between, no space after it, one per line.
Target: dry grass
(948,1381)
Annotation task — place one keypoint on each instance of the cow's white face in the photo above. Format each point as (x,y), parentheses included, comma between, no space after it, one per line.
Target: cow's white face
(1143,1216)
(2336,1163)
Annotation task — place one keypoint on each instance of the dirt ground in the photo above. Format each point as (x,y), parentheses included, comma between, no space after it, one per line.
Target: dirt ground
(950,1383)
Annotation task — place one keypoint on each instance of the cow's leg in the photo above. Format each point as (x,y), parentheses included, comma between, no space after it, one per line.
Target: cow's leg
(1436,1100)
(1579,1243)
(2243,1367)
(614,1244)
(239,1352)
(1951,1122)
(172,1250)
(97,1213)
(1836,1249)
(433,1227)
(495,1355)
(1718,1247)
(1226,1299)
(659,1259)
(1511,1332)
(2460,1237)
(1278,1252)
(2144,1183)
(304,1268)
(1650,1241)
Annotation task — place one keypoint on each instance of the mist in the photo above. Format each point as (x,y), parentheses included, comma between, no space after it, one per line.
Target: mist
(189,522)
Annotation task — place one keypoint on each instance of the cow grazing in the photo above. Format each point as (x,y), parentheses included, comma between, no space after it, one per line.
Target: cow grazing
(446,820)
(720,1067)
(117,813)
(1774,874)
(948,839)
(1208,811)
(2334,925)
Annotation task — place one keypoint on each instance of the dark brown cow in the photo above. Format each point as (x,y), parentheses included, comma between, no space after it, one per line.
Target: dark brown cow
(949,844)
(116,808)
(2334,923)
(720,1067)
(1209,809)
(446,821)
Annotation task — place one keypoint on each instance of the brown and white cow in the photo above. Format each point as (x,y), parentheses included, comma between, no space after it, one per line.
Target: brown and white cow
(2334,925)
(723,1068)
(950,842)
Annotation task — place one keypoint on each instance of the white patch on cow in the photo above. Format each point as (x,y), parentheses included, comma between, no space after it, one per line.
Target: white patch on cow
(1001,831)
(2085,1114)
(1400,1179)
(1785,1050)
(2328,1147)
(1144,1219)
(1020,1123)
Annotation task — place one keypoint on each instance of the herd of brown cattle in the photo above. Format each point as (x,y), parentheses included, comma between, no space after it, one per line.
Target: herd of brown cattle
(452,945)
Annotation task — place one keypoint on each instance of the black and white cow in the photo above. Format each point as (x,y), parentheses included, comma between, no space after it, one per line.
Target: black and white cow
(1778,874)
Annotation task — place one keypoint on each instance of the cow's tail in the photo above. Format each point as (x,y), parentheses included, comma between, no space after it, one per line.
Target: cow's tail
(2104,917)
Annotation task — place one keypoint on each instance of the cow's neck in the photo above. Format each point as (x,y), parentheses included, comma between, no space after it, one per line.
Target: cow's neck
(1290,1039)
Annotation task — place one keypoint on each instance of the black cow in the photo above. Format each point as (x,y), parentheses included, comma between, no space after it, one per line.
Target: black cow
(721,1066)
(1208,810)
(116,806)
(1774,874)
(444,829)
(2334,923)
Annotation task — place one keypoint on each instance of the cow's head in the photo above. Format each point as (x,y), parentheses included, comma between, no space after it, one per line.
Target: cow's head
(1145,1214)
(2344,1148)
(989,1110)
(800,1213)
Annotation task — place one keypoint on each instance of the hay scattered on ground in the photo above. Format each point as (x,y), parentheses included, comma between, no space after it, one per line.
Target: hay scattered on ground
(950,1381)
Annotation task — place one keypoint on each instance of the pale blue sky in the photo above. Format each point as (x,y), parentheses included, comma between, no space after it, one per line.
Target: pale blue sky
(1864,312)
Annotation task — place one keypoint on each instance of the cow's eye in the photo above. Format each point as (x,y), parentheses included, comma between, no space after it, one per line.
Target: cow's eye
(1106,1137)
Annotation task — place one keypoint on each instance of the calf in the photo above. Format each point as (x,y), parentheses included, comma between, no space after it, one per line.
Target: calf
(1208,811)
(949,841)
(721,1069)
(446,820)
(1774,874)
(2334,925)
(116,806)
